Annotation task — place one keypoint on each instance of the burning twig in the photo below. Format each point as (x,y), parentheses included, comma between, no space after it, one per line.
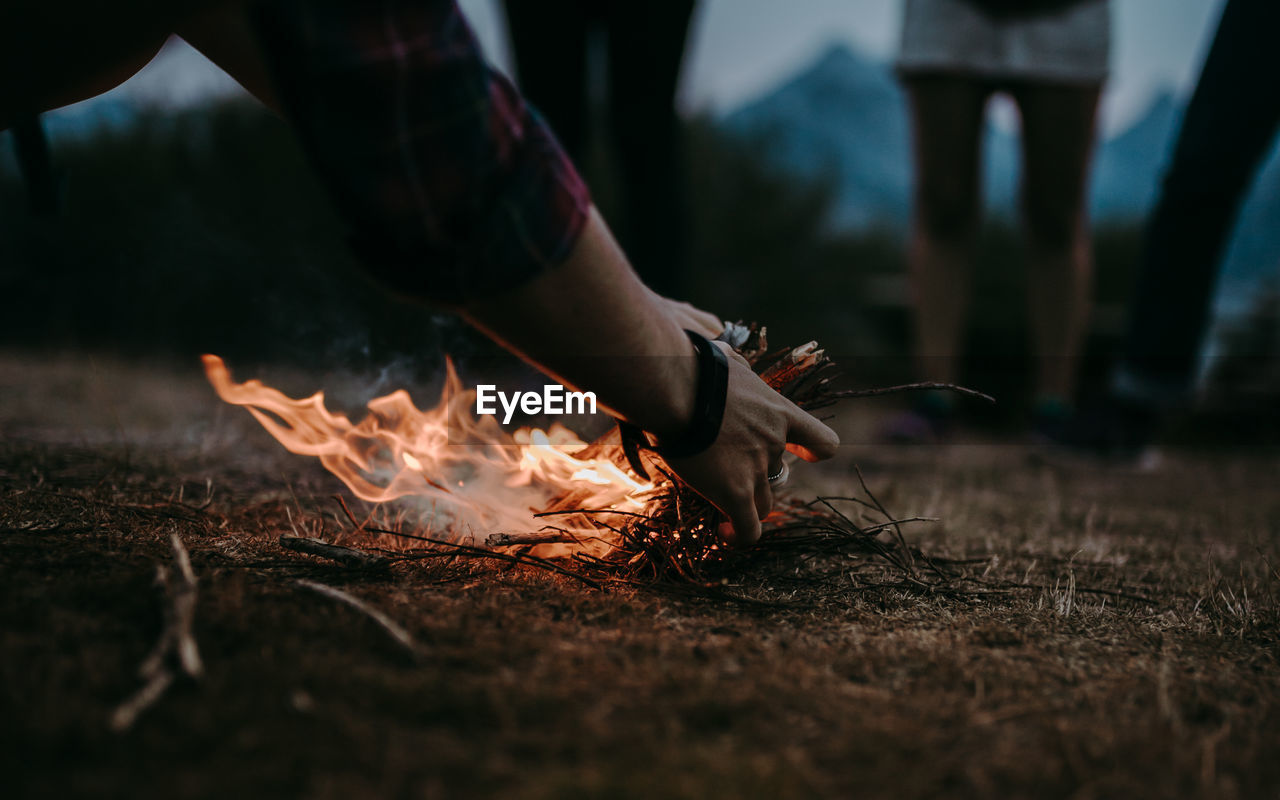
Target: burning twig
(456,548)
(623,527)
(347,510)
(393,629)
(176,640)
(676,535)
(347,556)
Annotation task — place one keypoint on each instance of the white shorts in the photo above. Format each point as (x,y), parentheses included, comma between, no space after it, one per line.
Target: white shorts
(1068,46)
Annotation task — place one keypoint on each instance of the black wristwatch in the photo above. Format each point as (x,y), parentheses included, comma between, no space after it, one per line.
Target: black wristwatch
(708,411)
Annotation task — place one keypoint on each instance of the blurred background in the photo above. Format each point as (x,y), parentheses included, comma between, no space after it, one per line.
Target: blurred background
(189,221)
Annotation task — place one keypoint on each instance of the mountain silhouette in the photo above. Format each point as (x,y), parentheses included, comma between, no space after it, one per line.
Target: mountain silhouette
(843,119)
(1126,174)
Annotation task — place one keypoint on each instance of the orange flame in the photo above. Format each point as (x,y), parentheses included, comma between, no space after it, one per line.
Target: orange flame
(490,482)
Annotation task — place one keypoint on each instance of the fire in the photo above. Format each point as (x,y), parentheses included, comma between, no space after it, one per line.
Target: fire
(483,481)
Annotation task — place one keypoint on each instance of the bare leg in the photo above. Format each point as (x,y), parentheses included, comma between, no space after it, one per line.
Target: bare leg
(947,113)
(1058,131)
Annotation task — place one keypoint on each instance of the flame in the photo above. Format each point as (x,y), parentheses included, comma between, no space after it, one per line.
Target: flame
(478,481)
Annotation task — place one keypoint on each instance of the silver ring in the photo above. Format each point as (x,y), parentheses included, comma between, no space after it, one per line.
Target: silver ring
(780,476)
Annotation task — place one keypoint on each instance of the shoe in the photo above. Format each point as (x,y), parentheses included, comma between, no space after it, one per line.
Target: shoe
(1114,431)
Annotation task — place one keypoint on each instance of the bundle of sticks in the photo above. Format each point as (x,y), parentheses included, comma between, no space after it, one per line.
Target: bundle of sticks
(675,537)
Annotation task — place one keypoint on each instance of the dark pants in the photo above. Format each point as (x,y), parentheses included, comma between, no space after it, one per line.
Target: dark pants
(1229,125)
(645,43)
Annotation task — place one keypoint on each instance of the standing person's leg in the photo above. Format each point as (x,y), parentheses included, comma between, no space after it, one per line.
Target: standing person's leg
(947,114)
(1229,124)
(549,41)
(1058,133)
(646,47)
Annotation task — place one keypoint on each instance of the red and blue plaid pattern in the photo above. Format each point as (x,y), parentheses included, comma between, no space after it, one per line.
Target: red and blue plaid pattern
(452,184)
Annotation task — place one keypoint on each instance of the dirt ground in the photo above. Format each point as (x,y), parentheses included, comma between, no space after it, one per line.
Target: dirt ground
(1141,663)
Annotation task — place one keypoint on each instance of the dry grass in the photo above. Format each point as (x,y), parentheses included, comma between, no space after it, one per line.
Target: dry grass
(527,684)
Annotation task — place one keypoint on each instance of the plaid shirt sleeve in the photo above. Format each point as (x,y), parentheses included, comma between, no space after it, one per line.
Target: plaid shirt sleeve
(454,188)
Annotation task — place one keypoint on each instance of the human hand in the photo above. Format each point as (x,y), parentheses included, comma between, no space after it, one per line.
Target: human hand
(690,317)
(758,426)
(640,363)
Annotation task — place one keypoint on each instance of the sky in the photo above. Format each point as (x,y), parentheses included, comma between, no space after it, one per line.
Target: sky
(738,49)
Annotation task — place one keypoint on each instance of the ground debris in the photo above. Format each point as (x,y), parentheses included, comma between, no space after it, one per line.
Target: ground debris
(176,643)
(347,556)
(392,628)
(838,675)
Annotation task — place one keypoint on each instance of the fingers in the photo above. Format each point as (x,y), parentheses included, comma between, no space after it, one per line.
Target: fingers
(806,436)
(778,477)
(809,438)
(734,355)
(744,520)
(692,317)
(764,499)
(744,513)
(708,324)
(735,474)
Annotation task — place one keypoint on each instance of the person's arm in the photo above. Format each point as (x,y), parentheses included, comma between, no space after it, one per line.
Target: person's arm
(458,193)
(591,323)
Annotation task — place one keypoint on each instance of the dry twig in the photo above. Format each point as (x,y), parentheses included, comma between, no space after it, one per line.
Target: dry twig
(674,544)
(392,628)
(538,537)
(347,556)
(176,643)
